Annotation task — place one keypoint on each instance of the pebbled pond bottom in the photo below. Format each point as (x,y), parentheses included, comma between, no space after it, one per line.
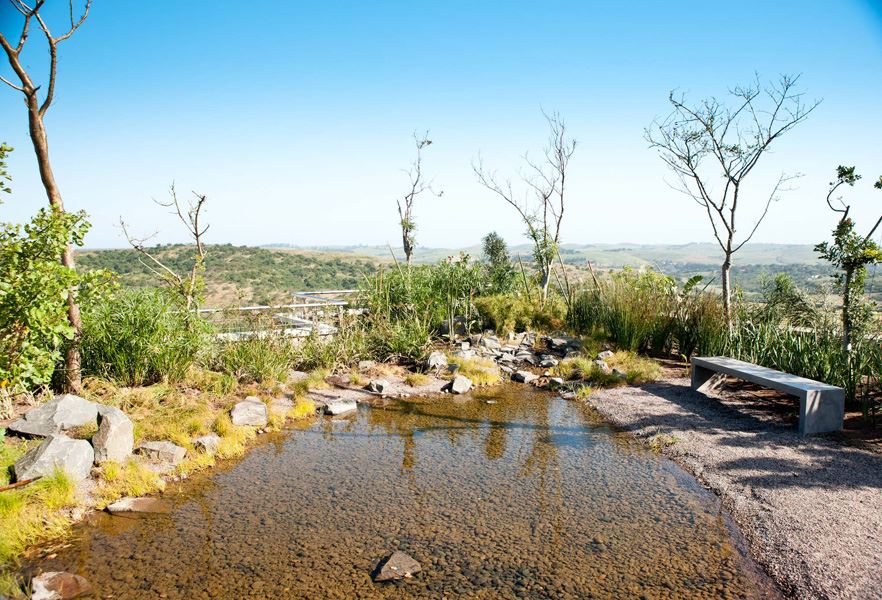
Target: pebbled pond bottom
(530,497)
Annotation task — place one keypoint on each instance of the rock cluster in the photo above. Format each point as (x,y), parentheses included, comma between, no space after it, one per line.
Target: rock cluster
(114,439)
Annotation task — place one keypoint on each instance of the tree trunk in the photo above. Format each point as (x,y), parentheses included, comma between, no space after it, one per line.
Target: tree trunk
(72,377)
(727,291)
(846,310)
(546,278)
(408,248)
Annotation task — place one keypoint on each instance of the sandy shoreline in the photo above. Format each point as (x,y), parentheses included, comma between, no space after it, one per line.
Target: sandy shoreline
(810,509)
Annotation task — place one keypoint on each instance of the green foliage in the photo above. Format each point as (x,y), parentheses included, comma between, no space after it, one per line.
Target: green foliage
(264,357)
(346,347)
(409,303)
(515,313)
(850,253)
(139,337)
(34,286)
(500,270)
(5,178)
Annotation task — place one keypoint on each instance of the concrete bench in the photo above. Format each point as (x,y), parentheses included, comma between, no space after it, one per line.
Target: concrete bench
(821,406)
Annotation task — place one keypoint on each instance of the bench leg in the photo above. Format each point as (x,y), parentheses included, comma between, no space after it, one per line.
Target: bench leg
(821,411)
(701,378)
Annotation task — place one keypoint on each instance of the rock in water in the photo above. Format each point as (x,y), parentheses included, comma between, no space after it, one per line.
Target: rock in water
(251,411)
(115,438)
(138,505)
(458,385)
(524,377)
(75,457)
(60,413)
(164,451)
(339,406)
(395,567)
(58,585)
(436,360)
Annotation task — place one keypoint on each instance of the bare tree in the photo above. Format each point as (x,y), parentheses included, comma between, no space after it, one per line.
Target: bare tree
(189,285)
(36,110)
(540,203)
(418,185)
(713,142)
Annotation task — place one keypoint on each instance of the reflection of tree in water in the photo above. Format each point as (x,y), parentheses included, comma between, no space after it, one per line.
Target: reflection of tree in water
(495,441)
(542,468)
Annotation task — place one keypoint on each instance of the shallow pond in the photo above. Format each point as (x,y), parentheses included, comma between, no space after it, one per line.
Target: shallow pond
(527,495)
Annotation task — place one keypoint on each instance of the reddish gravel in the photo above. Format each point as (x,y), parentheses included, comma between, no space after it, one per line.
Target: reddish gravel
(810,508)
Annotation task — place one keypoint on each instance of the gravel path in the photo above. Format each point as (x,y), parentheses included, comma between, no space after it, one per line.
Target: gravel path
(810,508)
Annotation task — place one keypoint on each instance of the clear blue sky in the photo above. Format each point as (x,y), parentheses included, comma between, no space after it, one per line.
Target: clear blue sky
(295,118)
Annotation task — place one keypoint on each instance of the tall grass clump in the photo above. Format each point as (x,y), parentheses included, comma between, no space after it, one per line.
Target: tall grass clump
(507,313)
(140,337)
(266,356)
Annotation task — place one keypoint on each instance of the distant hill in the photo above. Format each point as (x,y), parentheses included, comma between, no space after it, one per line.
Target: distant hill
(266,275)
(612,255)
(241,274)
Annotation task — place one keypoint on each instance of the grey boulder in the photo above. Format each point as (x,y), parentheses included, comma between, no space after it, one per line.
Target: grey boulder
(524,377)
(458,385)
(604,355)
(163,451)
(252,411)
(207,443)
(377,386)
(75,457)
(115,438)
(339,406)
(436,360)
(60,413)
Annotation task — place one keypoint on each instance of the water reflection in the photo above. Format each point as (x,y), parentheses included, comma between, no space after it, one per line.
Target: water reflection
(528,496)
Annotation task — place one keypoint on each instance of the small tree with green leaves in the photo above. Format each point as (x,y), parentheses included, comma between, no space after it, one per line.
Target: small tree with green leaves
(500,270)
(851,253)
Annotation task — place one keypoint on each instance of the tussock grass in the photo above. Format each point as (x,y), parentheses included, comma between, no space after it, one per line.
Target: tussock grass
(131,478)
(30,515)
(314,381)
(481,371)
(637,369)
(416,379)
(303,408)
(233,439)
(356,379)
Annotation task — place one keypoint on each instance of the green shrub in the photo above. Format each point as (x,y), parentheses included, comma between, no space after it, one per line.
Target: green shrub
(34,326)
(515,313)
(344,348)
(264,357)
(139,337)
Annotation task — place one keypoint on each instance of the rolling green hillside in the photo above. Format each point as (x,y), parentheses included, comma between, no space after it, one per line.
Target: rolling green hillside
(246,275)
(240,274)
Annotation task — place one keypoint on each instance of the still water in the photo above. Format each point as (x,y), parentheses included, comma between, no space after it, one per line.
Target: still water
(524,496)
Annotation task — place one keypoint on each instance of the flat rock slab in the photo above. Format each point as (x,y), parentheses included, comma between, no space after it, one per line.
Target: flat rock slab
(58,585)
(340,406)
(395,567)
(524,377)
(252,411)
(75,457)
(139,505)
(62,412)
(164,451)
(115,438)
(281,406)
